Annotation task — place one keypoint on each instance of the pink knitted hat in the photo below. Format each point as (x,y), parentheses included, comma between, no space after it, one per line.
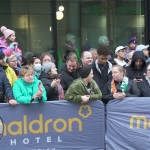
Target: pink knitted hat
(6,32)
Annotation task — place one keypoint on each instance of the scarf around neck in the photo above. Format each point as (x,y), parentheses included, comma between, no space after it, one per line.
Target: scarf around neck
(123,86)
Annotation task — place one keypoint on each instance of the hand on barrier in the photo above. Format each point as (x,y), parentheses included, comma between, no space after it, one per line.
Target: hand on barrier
(85,99)
(12,102)
(119,95)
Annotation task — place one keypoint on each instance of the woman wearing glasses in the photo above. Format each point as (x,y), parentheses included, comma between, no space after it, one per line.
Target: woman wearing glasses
(144,85)
(12,62)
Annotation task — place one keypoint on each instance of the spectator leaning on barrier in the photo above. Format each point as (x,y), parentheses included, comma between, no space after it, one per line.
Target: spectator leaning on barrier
(102,67)
(28,88)
(69,71)
(84,88)
(5,89)
(137,70)
(144,86)
(120,86)
(51,81)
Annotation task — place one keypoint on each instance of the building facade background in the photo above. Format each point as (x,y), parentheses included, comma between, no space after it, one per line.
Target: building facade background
(39,30)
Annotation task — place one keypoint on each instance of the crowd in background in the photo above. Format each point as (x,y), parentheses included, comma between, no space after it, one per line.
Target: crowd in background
(96,74)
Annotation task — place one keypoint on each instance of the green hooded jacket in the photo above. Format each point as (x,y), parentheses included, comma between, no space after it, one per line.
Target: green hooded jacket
(23,92)
(78,89)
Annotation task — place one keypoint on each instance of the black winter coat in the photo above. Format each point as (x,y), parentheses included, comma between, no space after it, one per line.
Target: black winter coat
(144,88)
(99,77)
(5,87)
(52,93)
(132,71)
(132,91)
(67,77)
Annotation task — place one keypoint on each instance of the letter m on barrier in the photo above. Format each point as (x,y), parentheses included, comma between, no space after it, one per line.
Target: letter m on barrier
(138,121)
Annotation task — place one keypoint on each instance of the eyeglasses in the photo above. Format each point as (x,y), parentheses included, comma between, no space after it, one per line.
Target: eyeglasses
(46,60)
(13,61)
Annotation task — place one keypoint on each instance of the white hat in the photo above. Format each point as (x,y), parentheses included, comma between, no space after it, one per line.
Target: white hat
(119,48)
(141,47)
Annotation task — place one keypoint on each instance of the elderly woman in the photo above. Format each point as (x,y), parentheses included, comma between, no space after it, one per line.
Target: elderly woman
(144,85)
(12,62)
(84,88)
(120,86)
(28,88)
(51,81)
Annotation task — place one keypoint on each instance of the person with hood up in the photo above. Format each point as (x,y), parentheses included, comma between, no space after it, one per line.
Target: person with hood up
(137,70)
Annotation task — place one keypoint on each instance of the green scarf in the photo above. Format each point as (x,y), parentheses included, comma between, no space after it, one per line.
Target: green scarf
(124,84)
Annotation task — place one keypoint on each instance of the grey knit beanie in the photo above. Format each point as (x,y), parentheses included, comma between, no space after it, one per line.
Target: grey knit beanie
(46,67)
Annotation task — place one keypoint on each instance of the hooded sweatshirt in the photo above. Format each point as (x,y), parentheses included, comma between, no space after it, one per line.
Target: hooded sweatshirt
(132,71)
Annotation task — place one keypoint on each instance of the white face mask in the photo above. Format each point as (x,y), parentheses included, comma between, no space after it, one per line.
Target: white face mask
(37,67)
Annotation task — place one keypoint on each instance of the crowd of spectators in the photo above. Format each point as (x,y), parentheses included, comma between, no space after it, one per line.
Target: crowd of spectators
(98,76)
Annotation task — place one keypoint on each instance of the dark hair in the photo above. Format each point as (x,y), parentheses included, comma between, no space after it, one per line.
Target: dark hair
(24,61)
(103,50)
(33,58)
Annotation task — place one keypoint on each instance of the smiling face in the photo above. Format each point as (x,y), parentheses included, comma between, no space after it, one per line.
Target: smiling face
(53,71)
(71,65)
(87,58)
